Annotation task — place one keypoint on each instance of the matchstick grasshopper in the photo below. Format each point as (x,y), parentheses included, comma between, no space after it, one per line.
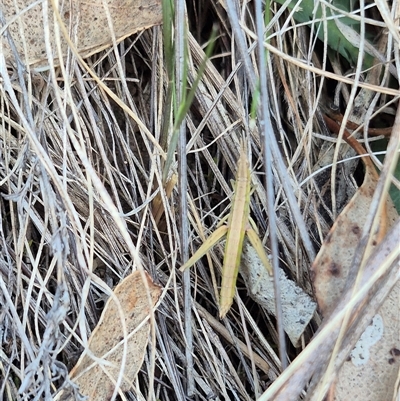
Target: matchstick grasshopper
(239,225)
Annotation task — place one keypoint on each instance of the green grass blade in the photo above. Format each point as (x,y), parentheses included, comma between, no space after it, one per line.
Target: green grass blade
(186,103)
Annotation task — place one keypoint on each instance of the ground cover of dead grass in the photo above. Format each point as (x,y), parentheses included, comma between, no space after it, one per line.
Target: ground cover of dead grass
(78,175)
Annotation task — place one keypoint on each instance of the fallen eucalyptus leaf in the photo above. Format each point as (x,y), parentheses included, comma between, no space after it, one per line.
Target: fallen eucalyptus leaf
(331,266)
(106,342)
(374,364)
(371,371)
(86,24)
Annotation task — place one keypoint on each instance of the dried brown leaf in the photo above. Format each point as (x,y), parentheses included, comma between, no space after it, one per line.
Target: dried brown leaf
(331,266)
(374,364)
(86,22)
(98,382)
(370,371)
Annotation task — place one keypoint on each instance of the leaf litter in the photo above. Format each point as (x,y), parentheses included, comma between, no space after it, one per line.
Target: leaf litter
(99,367)
(35,212)
(89,20)
(368,374)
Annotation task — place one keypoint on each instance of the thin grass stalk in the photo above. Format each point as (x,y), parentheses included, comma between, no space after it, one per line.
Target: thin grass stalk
(181,79)
(267,133)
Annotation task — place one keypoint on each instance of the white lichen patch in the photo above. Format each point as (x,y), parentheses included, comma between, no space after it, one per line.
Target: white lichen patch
(297,307)
(372,334)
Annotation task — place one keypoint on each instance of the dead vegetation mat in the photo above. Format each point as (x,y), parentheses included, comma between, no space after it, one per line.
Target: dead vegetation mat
(78,176)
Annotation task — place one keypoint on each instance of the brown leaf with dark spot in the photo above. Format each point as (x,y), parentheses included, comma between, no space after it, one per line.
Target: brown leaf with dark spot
(371,370)
(331,266)
(97,382)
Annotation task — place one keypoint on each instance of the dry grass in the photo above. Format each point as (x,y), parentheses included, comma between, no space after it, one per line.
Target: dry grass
(78,175)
